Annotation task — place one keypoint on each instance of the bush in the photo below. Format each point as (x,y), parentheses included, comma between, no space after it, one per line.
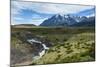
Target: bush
(69,51)
(57,39)
(44,33)
(58,57)
(58,51)
(64,39)
(77,45)
(50,50)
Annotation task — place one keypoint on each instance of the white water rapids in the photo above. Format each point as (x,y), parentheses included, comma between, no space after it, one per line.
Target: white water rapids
(31,41)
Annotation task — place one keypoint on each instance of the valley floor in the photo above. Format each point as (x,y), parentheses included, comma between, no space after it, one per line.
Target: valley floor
(68,45)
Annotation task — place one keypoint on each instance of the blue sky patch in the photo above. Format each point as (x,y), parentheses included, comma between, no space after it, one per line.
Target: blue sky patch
(36,13)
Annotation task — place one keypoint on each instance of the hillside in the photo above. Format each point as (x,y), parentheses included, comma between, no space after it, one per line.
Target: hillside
(23,25)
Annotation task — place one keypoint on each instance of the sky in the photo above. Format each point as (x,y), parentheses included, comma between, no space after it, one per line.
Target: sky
(36,12)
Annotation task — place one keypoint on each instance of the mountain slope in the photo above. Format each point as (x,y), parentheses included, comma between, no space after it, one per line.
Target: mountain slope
(68,20)
(88,23)
(59,20)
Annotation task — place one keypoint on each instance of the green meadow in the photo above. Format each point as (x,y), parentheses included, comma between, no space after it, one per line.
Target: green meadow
(70,44)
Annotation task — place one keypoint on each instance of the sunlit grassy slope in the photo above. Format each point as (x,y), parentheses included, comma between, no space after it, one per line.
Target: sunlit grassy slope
(79,47)
(75,44)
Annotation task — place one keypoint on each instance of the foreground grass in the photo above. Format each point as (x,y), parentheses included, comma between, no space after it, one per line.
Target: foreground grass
(69,44)
(78,48)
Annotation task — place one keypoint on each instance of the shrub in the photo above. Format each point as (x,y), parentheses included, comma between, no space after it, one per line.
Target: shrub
(58,51)
(69,51)
(44,33)
(64,39)
(58,57)
(57,39)
(50,50)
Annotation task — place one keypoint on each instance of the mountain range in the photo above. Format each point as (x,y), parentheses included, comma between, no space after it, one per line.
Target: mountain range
(69,20)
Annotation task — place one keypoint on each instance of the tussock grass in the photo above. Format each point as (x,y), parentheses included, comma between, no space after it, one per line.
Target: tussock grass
(69,44)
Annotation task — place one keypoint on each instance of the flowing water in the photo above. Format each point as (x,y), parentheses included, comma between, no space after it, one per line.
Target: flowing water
(41,53)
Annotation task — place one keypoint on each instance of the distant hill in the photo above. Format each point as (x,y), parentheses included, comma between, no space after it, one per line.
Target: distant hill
(23,25)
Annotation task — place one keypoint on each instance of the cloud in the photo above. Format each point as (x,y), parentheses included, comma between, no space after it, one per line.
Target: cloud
(87,12)
(36,12)
(61,8)
(36,21)
(50,8)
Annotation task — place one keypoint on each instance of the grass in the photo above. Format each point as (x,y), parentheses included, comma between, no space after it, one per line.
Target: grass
(69,44)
